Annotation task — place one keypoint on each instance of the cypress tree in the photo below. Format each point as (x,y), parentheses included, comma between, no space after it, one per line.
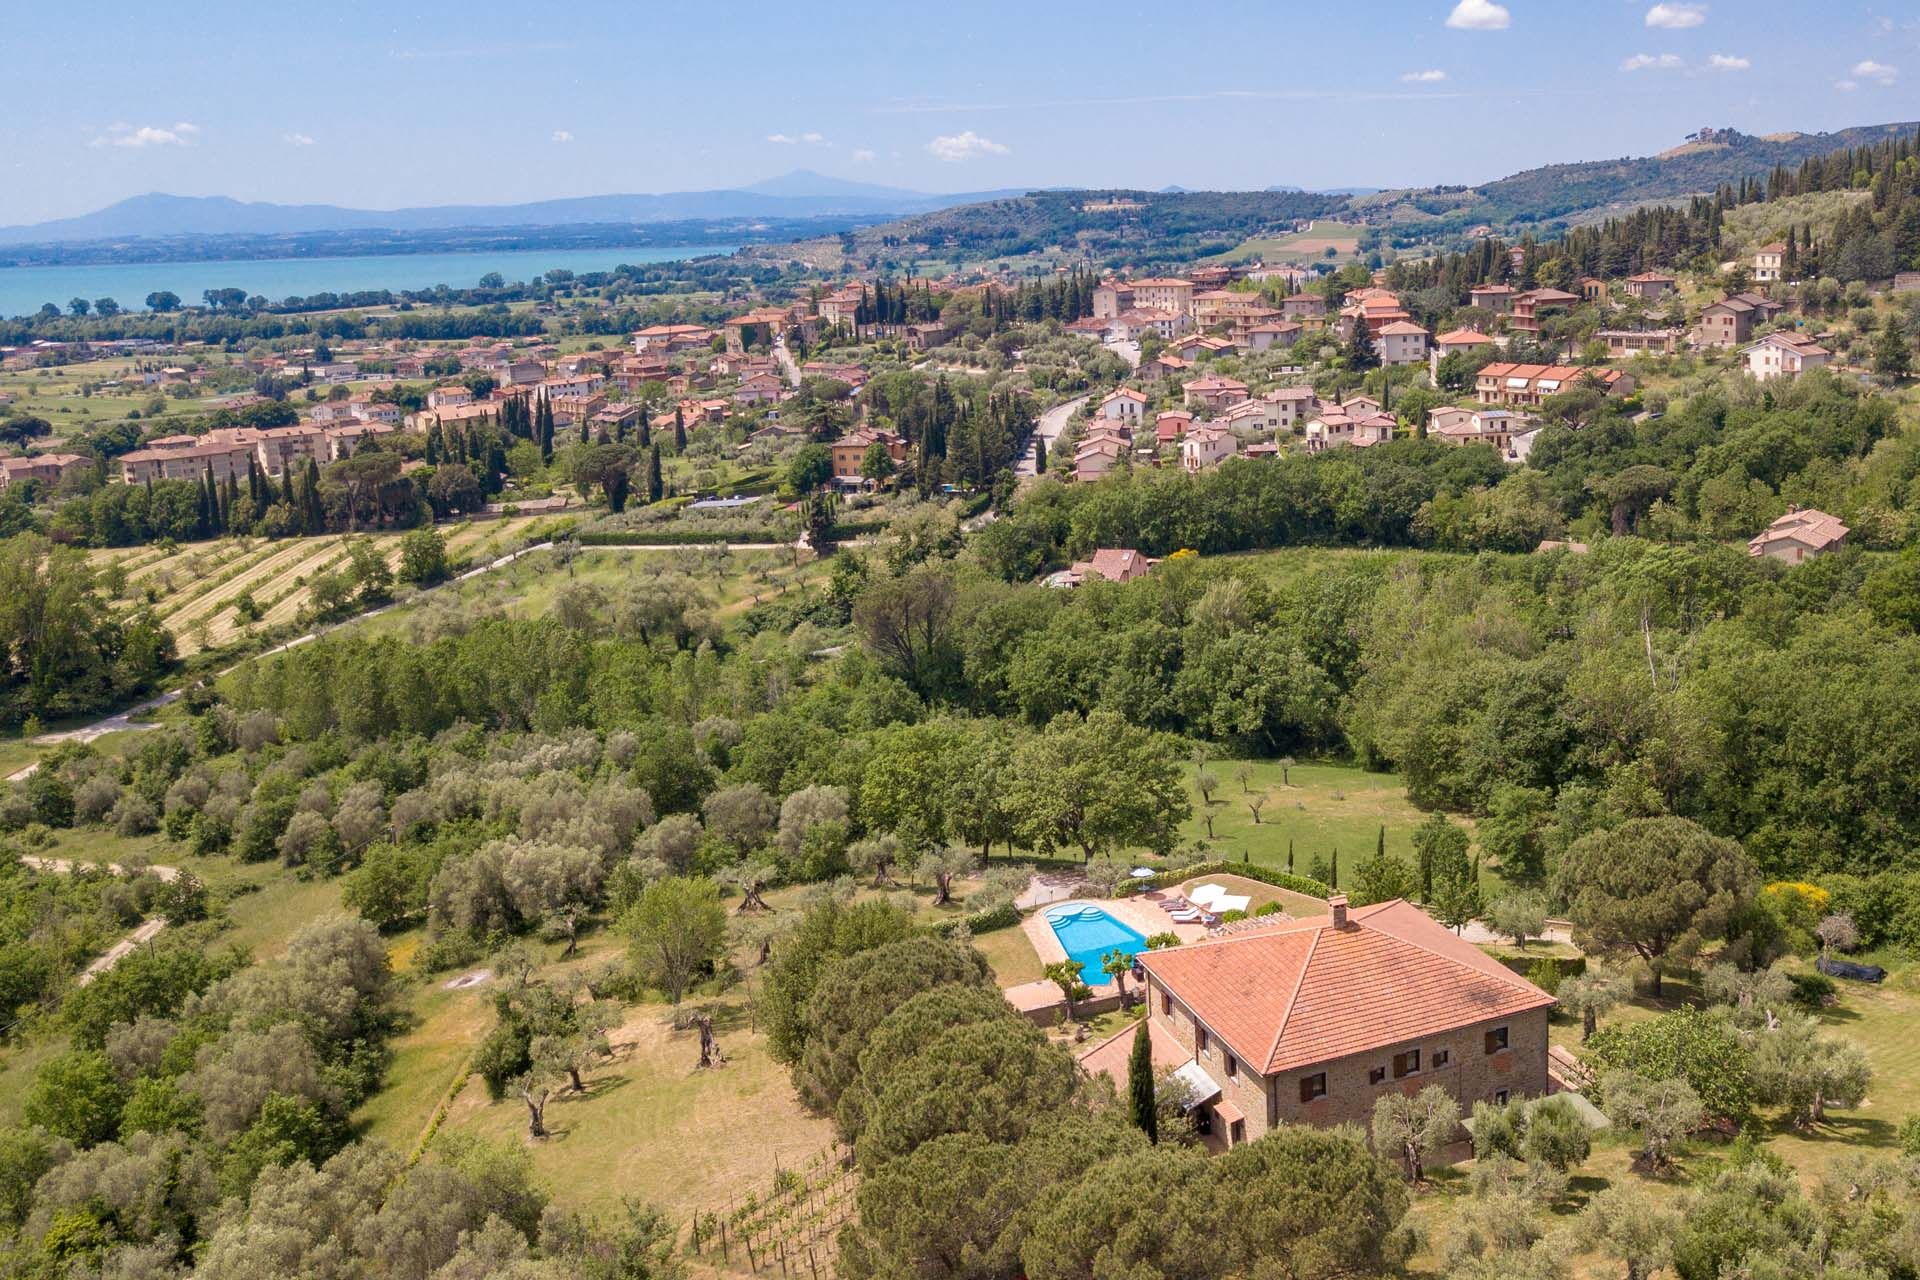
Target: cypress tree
(1140,1085)
(229,502)
(1039,456)
(585,431)
(679,429)
(656,484)
(645,435)
(1333,874)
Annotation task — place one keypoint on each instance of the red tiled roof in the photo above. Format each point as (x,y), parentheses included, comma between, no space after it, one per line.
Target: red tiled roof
(1461,337)
(1307,992)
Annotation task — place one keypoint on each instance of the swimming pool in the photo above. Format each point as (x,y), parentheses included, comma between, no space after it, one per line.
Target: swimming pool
(1087,934)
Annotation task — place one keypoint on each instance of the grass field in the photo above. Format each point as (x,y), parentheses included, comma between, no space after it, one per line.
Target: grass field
(1318,810)
(1307,246)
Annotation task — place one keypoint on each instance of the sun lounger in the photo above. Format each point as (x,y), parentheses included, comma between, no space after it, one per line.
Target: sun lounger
(1188,916)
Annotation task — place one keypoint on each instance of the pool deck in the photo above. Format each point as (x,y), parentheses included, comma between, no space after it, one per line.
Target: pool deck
(1140,914)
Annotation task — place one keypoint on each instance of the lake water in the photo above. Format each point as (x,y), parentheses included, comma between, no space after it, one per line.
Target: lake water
(24,289)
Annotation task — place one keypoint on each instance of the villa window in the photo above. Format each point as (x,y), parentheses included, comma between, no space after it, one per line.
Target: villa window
(1441,1058)
(1313,1086)
(1166,1004)
(1496,1039)
(1376,1075)
(1500,1097)
(1200,1039)
(1233,1066)
(1406,1064)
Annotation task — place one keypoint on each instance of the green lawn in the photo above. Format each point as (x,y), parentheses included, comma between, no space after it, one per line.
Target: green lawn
(1319,810)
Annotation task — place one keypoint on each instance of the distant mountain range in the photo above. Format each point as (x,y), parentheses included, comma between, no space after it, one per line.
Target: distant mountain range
(801,194)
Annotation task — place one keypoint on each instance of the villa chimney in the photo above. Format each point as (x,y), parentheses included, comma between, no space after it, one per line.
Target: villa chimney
(1337,908)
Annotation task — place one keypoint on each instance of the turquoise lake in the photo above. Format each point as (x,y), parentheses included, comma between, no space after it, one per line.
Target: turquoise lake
(24,289)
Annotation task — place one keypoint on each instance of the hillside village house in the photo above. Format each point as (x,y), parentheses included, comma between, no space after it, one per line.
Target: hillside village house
(1207,447)
(1401,342)
(1123,405)
(1451,341)
(1634,342)
(1096,457)
(1273,333)
(451,396)
(1110,298)
(1130,326)
(1731,321)
(1170,425)
(1526,385)
(1651,286)
(1531,307)
(1313,1021)
(1115,564)
(1799,534)
(1784,355)
(47,468)
(1495,427)
(1349,425)
(1304,308)
(850,454)
(1497,298)
(1164,294)
(1215,394)
(1769,263)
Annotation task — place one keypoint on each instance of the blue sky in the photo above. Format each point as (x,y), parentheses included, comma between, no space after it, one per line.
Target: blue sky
(397,103)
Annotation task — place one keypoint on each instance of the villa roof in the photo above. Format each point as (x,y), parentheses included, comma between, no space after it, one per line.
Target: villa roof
(1307,992)
(1461,338)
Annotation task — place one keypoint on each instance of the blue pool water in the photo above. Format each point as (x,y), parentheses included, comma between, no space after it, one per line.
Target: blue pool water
(1087,934)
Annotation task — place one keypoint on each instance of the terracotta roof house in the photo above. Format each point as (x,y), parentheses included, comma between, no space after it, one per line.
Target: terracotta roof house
(1497,298)
(1784,355)
(1312,1021)
(1730,321)
(1169,426)
(1800,533)
(1525,385)
(1215,393)
(1401,342)
(1095,458)
(1769,262)
(850,454)
(1115,564)
(1276,333)
(1206,447)
(1528,307)
(1651,285)
(1110,298)
(1307,308)
(1122,405)
(49,468)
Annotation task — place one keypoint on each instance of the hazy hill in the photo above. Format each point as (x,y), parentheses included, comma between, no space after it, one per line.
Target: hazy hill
(801,194)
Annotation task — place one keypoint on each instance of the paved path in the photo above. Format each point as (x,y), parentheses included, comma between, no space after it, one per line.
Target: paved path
(785,357)
(1047,428)
(1127,349)
(147,932)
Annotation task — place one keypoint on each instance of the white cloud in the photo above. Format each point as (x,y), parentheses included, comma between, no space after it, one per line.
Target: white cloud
(1878,72)
(1479,15)
(810,139)
(955,147)
(125,135)
(298,140)
(1729,62)
(561,135)
(1433,76)
(1653,62)
(1673,17)
(863,155)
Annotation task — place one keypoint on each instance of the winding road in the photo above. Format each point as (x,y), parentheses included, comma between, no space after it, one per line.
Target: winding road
(1047,429)
(147,932)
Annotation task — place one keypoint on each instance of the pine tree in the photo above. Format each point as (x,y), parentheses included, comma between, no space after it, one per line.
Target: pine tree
(1140,1100)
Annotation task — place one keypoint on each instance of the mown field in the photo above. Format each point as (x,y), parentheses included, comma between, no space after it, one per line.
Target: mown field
(77,397)
(1309,246)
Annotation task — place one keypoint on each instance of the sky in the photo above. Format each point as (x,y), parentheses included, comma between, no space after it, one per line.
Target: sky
(382,105)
